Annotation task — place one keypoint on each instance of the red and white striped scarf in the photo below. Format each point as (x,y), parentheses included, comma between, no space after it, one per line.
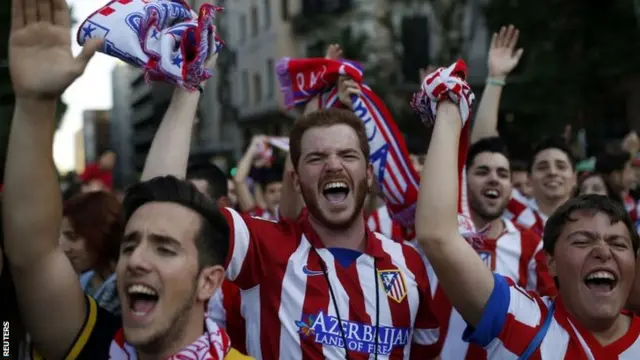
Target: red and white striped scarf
(450,83)
(214,344)
(302,79)
(165,38)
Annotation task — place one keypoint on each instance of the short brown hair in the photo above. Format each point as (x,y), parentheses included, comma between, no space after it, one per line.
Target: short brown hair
(98,217)
(326,118)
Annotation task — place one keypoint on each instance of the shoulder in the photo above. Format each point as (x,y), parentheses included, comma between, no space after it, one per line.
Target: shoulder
(411,256)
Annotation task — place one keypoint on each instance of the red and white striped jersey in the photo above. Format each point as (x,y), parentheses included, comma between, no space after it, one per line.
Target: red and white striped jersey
(513,316)
(264,214)
(380,221)
(631,206)
(525,212)
(517,254)
(224,309)
(287,281)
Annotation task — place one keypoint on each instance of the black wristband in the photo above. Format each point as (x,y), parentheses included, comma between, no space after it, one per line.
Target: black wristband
(201,89)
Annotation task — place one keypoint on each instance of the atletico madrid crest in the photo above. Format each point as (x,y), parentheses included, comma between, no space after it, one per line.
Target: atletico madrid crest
(393,284)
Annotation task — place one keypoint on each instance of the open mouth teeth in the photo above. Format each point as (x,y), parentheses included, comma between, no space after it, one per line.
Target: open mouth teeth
(492,193)
(601,280)
(336,191)
(142,299)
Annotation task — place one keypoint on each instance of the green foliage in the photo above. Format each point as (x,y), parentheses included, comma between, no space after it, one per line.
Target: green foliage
(577,55)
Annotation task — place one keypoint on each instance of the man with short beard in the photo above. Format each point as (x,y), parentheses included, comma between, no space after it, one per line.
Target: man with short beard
(175,239)
(300,280)
(508,249)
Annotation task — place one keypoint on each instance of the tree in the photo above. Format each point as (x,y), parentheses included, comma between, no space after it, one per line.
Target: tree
(579,57)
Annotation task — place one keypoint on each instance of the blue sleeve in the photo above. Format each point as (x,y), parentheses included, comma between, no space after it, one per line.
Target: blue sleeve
(493,317)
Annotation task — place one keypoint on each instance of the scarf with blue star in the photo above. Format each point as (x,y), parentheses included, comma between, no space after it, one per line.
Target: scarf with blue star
(165,38)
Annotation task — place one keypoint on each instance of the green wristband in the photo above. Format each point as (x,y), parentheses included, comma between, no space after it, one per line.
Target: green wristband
(492,81)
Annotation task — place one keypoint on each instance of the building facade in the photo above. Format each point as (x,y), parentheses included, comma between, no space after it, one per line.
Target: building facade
(259,34)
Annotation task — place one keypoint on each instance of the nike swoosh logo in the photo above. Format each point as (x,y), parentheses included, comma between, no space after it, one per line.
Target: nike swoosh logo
(310,272)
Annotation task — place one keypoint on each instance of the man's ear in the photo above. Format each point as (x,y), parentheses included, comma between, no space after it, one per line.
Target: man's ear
(209,281)
(223,202)
(295,179)
(551,264)
(370,177)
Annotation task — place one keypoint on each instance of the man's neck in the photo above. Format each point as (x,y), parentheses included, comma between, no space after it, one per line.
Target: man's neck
(496,226)
(176,339)
(547,207)
(352,237)
(606,332)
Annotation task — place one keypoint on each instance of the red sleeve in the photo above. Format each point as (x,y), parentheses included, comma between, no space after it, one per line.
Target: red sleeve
(256,247)
(546,284)
(236,327)
(426,332)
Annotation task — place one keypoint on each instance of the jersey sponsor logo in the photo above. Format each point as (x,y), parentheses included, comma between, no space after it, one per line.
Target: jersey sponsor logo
(310,272)
(393,284)
(325,330)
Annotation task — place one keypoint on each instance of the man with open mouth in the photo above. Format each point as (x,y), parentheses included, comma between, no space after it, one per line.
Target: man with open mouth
(175,239)
(322,286)
(591,245)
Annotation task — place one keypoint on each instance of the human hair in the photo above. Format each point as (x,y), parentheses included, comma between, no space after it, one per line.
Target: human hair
(554,142)
(612,194)
(492,144)
(590,203)
(215,178)
(99,219)
(612,161)
(326,118)
(518,165)
(212,239)
(273,175)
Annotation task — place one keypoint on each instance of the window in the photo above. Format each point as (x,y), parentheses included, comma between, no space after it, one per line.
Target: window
(243,28)
(267,13)
(245,87)
(284,10)
(271,79)
(254,21)
(257,87)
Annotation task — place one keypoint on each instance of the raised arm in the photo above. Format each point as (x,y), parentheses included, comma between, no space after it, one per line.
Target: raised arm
(503,58)
(246,201)
(462,274)
(174,133)
(169,152)
(51,301)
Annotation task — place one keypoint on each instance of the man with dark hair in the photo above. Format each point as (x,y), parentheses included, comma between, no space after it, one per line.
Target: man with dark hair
(520,178)
(175,241)
(508,249)
(591,245)
(615,167)
(210,180)
(552,172)
(300,278)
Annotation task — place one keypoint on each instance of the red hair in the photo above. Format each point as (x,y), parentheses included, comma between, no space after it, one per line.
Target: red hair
(98,217)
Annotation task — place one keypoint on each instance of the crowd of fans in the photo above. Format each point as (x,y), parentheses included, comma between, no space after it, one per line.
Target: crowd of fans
(306,207)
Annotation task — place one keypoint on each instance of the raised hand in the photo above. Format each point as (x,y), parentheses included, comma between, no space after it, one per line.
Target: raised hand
(503,57)
(40,59)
